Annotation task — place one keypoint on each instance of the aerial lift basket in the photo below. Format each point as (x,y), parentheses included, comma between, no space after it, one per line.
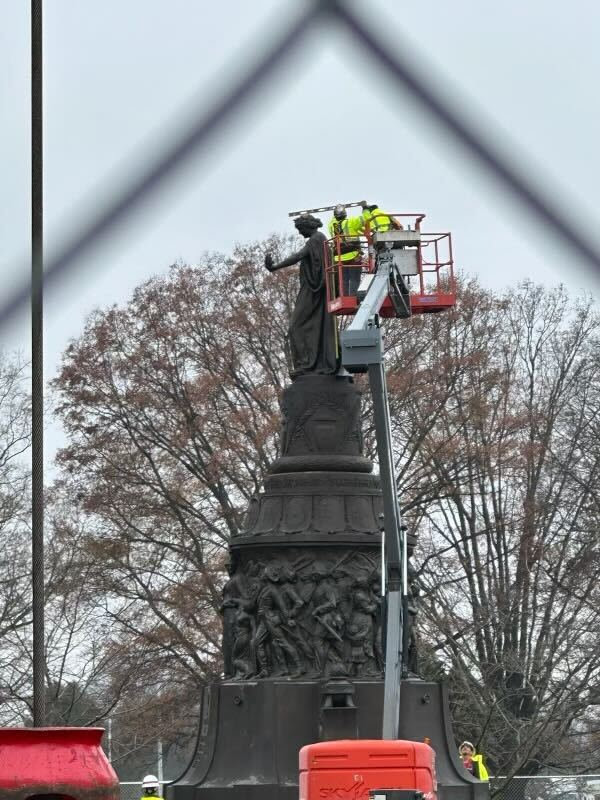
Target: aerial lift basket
(424,260)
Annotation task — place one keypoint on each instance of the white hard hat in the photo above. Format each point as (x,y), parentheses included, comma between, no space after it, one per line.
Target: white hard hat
(150,782)
(339,212)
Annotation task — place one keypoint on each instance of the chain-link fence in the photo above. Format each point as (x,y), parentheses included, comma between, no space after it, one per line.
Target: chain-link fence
(207,124)
(520,787)
(406,77)
(131,791)
(547,787)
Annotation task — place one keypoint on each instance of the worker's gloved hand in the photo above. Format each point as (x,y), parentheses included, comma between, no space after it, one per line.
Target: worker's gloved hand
(269,262)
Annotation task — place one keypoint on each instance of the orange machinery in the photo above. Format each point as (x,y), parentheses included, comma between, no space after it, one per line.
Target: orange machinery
(367,768)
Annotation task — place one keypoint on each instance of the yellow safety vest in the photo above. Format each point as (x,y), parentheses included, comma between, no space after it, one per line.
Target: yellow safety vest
(483,773)
(377,219)
(348,228)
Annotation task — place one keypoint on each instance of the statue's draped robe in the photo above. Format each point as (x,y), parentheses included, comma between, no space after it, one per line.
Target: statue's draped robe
(312,332)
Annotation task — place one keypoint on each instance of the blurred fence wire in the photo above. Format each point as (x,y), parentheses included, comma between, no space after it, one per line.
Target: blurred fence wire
(206,125)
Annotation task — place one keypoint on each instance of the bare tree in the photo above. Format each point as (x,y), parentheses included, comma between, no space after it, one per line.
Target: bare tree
(495,409)
(170,407)
(15,603)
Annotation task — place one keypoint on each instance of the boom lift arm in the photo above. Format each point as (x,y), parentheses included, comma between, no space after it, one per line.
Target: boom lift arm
(362,351)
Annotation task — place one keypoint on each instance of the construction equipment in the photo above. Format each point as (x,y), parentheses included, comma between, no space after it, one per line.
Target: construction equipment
(396,256)
(423,260)
(390,260)
(367,768)
(360,203)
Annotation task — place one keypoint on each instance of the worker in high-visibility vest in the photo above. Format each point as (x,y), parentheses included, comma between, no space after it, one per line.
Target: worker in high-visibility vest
(377,219)
(151,788)
(346,247)
(472,761)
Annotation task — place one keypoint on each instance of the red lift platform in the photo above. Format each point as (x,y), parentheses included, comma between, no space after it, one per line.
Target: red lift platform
(425,261)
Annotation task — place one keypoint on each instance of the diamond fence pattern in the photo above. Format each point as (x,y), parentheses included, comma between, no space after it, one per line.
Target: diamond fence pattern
(131,791)
(410,80)
(547,787)
(275,49)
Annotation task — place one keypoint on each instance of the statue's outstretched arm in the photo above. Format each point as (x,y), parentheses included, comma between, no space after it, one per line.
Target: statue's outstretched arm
(287,262)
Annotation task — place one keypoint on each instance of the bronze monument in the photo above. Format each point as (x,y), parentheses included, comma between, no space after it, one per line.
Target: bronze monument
(302,608)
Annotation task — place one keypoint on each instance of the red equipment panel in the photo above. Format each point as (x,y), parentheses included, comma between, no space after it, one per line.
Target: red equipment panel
(64,762)
(348,769)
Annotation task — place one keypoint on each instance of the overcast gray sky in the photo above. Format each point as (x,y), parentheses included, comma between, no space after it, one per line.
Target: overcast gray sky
(119,74)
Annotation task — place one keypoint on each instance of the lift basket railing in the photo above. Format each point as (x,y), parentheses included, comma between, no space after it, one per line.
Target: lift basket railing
(423,258)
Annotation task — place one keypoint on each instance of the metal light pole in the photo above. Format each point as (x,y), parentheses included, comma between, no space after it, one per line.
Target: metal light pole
(159,753)
(37,367)
(109,733)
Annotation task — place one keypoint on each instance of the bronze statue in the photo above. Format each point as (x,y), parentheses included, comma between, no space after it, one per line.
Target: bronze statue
(312,330)
(329,627)
(239,604)
(233,591)
(361,630)
(243,656)
(272,639)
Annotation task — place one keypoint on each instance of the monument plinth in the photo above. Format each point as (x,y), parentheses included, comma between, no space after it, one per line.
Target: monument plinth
(302,617)
(303,599)
(302,609)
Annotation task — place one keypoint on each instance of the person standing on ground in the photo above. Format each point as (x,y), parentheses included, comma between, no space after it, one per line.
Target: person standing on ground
(151,788)
(472,761)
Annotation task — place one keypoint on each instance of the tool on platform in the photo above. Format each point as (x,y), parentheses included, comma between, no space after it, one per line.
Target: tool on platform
(361,203)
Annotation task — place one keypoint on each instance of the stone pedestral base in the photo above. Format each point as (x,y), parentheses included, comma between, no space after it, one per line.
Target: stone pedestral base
(251,734)
(302,618)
